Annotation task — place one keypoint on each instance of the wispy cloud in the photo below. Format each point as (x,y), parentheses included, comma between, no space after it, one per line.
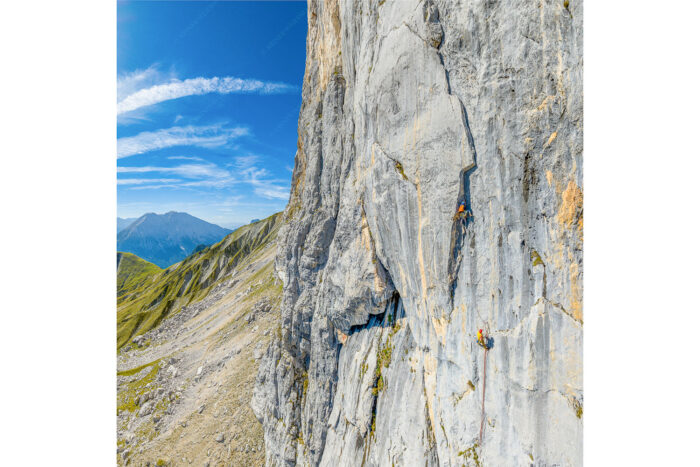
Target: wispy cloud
(203,136)
(204,183)
(244,162)
(263,186)
(272,192)
(176,89)
(185,170)
(207,175)
(141,181)
(186,158)
(131,82)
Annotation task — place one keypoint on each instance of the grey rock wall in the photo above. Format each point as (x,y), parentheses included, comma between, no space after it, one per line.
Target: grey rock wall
(408,108)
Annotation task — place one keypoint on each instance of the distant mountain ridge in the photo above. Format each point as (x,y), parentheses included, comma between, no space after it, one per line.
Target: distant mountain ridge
(165,239)
(124,223)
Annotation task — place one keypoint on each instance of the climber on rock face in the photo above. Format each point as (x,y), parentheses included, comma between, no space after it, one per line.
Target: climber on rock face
(483,339)
(463,213)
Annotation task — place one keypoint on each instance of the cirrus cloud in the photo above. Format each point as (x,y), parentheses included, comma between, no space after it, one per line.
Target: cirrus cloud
(204,170)
(176,89)
(242,171)
(141,181)
(203,136)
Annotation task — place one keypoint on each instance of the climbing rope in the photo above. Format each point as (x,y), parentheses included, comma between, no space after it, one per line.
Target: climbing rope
(483,397)
(486,344)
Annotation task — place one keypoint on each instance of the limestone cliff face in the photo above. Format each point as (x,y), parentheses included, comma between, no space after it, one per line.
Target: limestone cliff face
(408,108)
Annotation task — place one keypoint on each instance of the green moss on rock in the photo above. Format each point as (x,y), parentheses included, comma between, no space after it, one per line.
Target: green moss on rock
(536,258)
(399,168)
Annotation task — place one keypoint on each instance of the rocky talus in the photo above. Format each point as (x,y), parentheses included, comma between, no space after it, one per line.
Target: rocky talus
(184,385)
(409,108)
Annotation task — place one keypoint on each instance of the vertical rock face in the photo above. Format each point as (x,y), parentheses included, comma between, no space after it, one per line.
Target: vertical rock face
(410,107)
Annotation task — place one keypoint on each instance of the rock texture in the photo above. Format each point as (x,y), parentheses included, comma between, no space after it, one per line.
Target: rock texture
(410,107)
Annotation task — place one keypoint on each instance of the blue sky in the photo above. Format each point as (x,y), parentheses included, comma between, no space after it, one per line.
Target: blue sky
(208,96)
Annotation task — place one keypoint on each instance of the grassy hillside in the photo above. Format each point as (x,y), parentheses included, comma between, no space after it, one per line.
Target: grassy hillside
(133,272)
(142,308)
(216,344)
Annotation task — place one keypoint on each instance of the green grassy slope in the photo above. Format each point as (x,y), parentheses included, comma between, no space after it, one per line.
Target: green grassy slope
(133,272)
(141,309)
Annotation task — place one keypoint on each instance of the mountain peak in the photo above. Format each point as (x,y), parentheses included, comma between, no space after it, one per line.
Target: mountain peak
(165,239)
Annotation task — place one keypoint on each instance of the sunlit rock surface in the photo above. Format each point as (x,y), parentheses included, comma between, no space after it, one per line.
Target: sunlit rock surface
(408,108)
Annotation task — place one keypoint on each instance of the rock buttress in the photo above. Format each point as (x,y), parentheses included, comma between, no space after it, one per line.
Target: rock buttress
(410,107)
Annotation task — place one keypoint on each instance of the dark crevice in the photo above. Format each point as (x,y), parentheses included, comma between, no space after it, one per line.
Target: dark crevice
(460,224)
(379,320)
(396,297)
(460,228)
(373,322)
